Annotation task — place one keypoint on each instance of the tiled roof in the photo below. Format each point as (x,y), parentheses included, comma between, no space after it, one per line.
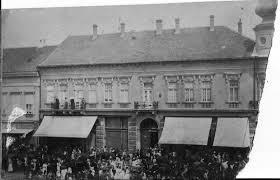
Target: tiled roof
(24,59)
(191,44)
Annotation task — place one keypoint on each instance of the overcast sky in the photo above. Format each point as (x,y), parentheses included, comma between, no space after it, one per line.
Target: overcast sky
(25,27)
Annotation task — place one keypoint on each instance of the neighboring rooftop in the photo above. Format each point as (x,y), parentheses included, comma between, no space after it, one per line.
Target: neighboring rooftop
(198,43)
(24,59)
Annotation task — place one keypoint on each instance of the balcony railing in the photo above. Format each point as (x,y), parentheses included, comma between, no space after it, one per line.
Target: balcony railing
(66,107)
(146,105)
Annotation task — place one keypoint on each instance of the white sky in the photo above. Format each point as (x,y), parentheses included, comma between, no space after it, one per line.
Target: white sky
(25,27)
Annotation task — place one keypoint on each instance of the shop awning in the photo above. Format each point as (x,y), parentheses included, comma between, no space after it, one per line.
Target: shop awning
(16,131)
(185,130)
(66,126)
(232,132)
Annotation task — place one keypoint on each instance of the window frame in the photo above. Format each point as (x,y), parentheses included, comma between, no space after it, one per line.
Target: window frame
(108,92)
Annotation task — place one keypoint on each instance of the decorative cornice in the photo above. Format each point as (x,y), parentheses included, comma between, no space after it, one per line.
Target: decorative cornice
(188,78)
(147,79)
(172,78)
(205,77)
(232,76)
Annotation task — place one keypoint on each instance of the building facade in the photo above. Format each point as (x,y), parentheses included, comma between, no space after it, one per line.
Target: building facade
(132,81)
(21,88)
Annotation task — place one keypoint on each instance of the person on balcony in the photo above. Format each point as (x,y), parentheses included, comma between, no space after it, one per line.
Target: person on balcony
(56,106)
(83,103)
(72,103)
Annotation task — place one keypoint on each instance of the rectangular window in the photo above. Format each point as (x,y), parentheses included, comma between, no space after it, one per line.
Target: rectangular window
(5,104)
(62,93)
(29,103)
(79,95)
(124,92)
(92,97)
(108,96)
(206,91)
(189,92)
(260,89)
(233,90)
(117,132)
(50,94)
(148,91)
(172,92)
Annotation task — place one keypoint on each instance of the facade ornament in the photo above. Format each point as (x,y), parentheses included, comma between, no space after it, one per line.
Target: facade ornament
(232,76)
(205,78)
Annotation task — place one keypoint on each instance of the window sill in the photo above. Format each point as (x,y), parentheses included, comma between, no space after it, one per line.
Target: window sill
(92,103)
(172,102)
(233,102)
(206,102)
(124,103)
(29,115)
(107,102)
(189,102)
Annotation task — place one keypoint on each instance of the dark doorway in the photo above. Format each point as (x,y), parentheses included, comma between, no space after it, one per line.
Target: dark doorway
(149,133)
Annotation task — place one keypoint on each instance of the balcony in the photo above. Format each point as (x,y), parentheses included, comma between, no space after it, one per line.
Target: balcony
(68,108)
(146,105)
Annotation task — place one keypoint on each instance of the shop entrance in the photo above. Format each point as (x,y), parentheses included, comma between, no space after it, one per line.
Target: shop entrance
(149,133)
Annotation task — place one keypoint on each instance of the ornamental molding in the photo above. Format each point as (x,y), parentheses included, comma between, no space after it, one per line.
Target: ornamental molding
(49,82)
(172,78)
(232,76)
(123,79)
(147,79)
(188,78)
(205,78)
(105,80)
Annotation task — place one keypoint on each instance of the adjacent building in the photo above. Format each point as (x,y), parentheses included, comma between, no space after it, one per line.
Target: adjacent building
(21,88)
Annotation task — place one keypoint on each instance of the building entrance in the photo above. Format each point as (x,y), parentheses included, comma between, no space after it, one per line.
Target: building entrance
(149,133)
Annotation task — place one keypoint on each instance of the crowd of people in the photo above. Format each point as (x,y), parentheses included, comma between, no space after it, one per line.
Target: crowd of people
(158,163)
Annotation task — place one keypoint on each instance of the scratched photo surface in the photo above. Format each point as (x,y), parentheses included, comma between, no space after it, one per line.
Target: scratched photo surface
(163,91)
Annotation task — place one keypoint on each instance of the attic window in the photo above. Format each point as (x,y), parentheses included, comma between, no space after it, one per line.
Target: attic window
(133,37)
(29,59)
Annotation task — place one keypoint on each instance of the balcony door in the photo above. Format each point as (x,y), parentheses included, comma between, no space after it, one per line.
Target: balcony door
(148,94)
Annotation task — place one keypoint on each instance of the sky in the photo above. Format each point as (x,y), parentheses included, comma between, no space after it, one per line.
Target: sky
(25,27)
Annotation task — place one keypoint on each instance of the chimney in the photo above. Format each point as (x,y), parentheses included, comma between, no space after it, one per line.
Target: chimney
(158,26)
(177,26)
(212,23)
(240,26)
(122,29)
(94,31)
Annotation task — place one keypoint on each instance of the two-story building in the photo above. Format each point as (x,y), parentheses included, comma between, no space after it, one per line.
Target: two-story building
(21,88)
(131,90)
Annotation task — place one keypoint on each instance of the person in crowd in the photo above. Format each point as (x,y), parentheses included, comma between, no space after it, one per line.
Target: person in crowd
(72,162)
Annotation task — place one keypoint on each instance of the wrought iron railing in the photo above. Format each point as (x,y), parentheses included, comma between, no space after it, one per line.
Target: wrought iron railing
(146,105)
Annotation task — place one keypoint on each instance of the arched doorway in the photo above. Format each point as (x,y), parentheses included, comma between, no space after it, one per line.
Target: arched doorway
(149,133)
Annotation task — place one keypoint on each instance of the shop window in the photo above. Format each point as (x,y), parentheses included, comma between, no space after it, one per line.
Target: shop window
(117,132)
